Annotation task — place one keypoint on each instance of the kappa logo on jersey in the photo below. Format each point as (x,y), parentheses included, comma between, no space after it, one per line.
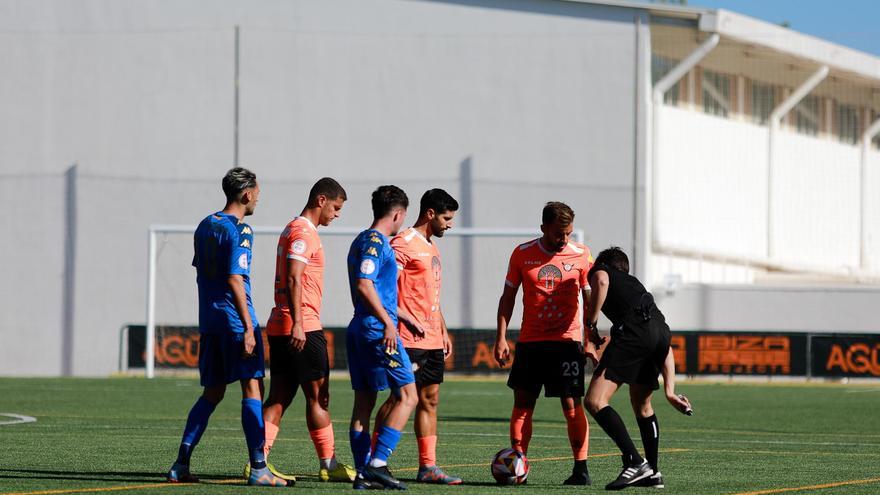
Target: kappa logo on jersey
(245,243)
(246,230)
(299,246)
(567,266)
(549,276)
(242,261)
(376,240)
(372,252)
(368,267)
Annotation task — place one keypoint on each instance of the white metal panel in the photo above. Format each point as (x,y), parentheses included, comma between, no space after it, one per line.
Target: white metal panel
(712,185)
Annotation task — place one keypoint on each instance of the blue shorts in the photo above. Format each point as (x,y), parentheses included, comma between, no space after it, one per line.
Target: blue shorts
(221,362)
(372,368)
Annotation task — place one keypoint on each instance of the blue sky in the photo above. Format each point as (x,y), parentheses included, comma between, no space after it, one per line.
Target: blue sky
(853,23)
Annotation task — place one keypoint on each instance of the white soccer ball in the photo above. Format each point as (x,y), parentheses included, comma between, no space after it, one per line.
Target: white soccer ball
(510,467)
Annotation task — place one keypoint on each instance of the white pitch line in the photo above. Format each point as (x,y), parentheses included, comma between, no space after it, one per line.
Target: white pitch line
(19,419)
(862,390)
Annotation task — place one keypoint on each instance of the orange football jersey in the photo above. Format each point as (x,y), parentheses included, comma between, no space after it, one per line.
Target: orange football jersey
(418,287)
(552,285)
(298,242)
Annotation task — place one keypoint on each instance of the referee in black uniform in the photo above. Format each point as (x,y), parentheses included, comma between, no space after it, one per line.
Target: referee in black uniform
(638,352)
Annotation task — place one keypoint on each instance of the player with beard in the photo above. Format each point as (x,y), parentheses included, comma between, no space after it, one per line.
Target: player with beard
(551,352)
(422,326)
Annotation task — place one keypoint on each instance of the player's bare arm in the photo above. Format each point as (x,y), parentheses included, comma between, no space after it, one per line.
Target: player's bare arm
(505,312)
(411,322)
(295,270)
(367,291)
(679,402)
(239,299)
(447,344)
(589,345)
(598,293)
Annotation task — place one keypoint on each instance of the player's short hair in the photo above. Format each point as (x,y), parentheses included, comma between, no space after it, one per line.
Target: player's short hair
(438,200)
(555,211)
(386,198)
(328,188)
(237,180)
(615,258)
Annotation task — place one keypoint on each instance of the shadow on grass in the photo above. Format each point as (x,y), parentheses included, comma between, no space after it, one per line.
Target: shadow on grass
(127,476)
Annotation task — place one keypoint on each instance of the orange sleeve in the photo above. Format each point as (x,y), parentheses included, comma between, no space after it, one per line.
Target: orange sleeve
(301,246)
(514,270)
(402,254)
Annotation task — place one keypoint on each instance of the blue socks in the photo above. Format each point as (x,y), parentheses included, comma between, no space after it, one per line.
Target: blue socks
(196,423)
(386,442)
(360,447)
(254,431)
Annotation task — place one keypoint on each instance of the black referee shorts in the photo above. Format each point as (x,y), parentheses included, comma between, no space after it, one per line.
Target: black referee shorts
(558,367)
(427,365)
(636,354)
(305,366)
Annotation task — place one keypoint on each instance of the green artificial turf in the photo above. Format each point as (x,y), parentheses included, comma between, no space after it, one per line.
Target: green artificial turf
(120,435)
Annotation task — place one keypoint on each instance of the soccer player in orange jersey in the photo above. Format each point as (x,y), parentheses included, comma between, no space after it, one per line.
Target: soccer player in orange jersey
(297,346)
(422,327)
(551,351)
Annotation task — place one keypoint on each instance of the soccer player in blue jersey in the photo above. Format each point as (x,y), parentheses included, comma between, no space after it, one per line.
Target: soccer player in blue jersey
(231,344)
(376,357)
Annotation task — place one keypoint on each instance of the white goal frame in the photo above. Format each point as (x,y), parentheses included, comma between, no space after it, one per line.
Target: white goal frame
(156,230)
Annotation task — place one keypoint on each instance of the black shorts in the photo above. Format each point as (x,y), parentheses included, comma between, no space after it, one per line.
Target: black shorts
(427,365)
(635,355)
(300,367)
(556,366)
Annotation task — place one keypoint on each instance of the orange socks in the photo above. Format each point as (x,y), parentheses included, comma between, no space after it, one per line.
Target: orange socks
(521,429)
(271,434)
(325,444)
(428,450)
(578,431)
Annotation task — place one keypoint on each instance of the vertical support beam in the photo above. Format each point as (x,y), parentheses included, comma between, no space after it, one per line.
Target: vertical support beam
(652,170)
(69,291)
(773,129)
(641,265)
(872,131)
(466,188)
(150,339)
(236,102)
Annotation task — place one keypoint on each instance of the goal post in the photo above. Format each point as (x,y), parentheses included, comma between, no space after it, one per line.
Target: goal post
(467,258)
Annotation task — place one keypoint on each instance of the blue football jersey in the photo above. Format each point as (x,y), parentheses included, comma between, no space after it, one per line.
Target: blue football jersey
(223,247)
(371,257)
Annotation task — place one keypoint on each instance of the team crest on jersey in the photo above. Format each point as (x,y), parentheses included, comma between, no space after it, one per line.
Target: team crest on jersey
(549,275)
(567,266)
(299,246)
(372,251)
(368,267)
(243,261)
(245,243)
(246,230)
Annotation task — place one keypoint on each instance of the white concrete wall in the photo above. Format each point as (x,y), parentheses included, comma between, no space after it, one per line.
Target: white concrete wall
(711,181)
(816,201)
(873,212)
(712,197)
(538,95)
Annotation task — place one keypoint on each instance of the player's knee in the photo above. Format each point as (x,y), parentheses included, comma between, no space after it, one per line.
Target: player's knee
(594,404)
(408,397)
(429,403)
(214,394)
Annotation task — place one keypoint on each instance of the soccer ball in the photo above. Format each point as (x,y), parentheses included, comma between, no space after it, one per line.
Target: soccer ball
(510,467)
